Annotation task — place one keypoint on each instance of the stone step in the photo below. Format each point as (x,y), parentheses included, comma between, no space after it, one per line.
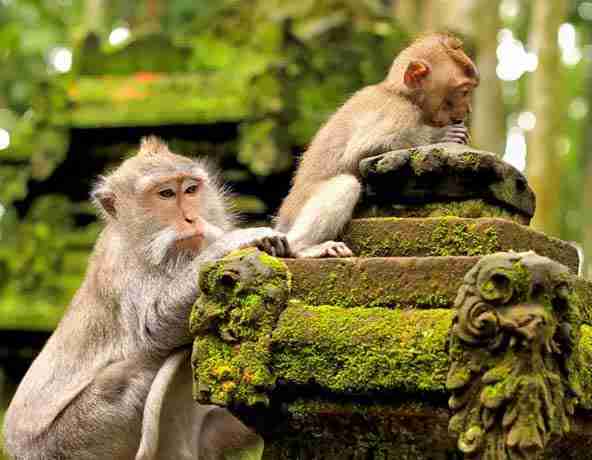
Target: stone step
(415,429)
(451,236)
(374,351)
(393,282)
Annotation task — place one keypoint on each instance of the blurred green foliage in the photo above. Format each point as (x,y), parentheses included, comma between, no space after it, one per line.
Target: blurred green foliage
(276,68)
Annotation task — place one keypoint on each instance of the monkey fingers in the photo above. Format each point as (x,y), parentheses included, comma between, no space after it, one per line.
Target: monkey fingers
(326,249)
(457,133)
(275,245)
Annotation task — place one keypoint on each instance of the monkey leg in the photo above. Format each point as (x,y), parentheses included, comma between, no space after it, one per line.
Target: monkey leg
(323,217)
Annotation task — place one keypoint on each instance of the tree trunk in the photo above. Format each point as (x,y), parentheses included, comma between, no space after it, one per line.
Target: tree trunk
(94,15)
(543,91)
(407,13)
(587,219)
(488,119)
(433,15)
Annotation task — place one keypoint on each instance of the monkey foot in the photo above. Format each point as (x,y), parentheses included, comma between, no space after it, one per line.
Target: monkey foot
(326,249)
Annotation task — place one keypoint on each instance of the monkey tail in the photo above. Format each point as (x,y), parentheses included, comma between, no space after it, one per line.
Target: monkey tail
(153,407)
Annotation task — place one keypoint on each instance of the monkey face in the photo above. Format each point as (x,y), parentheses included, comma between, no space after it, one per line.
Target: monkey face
(167,207)
(178,207)
(455,105)
(175,204)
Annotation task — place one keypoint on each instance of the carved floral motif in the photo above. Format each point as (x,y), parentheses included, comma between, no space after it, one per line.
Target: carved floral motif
(512,344)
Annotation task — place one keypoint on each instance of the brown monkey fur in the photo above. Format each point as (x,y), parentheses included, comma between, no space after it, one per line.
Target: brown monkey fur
(115,373)
(424,99)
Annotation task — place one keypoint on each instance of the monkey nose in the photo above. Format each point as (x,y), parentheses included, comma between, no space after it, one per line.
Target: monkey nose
(188,220)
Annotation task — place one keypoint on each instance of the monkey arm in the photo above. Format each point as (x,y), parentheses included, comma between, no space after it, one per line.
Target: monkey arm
(166,317)
(380,139)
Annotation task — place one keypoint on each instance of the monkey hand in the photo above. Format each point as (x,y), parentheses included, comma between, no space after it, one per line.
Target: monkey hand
(457,133)
(270,241)
(264,238)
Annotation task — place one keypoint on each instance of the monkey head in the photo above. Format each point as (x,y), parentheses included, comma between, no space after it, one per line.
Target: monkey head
(164,205)
(438,76)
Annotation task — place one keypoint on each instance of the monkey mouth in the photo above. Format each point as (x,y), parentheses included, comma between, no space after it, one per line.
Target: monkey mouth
(189,241)
(189,236)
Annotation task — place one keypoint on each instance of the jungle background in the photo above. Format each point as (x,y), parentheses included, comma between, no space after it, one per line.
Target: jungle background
(247,83)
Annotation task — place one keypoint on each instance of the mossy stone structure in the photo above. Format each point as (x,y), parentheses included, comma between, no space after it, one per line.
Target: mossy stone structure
(457,332)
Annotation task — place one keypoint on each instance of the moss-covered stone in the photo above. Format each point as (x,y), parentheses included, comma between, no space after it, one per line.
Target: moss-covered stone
(393,430)
(514,360)
(422,282)
(362,350)
(323,429)
(451,236)
(392,282)
(242,297)
(445,172)
(472,209)
(376,352)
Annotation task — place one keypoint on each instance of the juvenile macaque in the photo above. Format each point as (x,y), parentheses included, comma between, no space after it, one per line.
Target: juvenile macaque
(424,99)
(115,373)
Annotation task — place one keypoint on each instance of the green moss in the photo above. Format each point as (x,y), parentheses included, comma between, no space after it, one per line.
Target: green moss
(446,236)
(473,208)
(242,297)
(580,369)
(462,239)
(362,349)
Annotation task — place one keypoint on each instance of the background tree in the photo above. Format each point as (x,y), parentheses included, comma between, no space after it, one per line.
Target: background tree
(543,97)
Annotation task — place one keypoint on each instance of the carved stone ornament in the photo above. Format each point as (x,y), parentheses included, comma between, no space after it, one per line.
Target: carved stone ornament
(242,296)
(512,345)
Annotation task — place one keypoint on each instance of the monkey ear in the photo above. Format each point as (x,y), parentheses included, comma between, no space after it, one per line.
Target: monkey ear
(415,73)
(104,199)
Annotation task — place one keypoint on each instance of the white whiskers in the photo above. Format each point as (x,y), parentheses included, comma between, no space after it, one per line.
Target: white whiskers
(159,245)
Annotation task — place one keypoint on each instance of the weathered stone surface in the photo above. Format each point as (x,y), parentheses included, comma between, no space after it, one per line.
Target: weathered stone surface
(514,357)
(399,430)
(443,172)
(451,236)
(364,351)
(241,299)
(473,209)
(325,429)
(348,379)
(419,282)
(393,282)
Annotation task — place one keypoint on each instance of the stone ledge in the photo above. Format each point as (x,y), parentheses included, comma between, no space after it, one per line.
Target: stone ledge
(451,236)
(374,351)
(470,209)
(318,428)
(393,282)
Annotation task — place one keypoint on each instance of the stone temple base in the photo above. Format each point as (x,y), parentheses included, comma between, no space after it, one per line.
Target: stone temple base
(455,332)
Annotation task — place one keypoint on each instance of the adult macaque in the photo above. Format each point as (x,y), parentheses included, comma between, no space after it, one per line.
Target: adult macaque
(424,99)
(115,372)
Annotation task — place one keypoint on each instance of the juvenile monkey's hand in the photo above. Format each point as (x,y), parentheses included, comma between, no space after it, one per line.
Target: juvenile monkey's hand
(457,133)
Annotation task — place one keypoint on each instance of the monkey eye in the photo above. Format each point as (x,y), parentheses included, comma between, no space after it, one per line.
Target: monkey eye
(166,193)
(191,189)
